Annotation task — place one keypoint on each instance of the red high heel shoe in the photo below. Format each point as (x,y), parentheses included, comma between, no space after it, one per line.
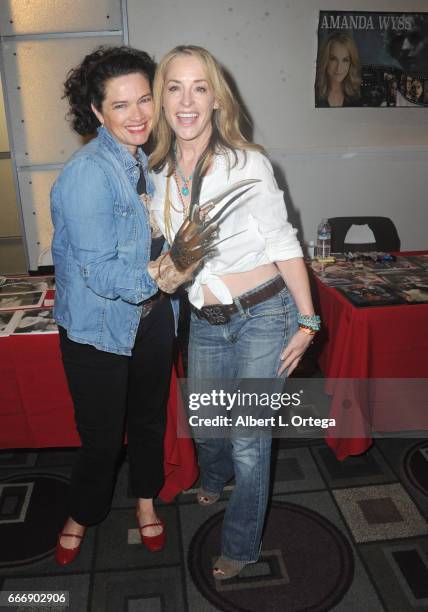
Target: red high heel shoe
(64,556)
(153,543)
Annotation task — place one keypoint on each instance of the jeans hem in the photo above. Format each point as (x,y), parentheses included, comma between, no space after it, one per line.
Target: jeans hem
(243,561)
(209,491)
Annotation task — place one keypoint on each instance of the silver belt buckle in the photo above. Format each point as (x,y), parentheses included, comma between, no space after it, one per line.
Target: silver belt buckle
(215,315)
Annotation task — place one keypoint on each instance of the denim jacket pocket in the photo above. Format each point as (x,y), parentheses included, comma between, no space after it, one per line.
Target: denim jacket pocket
(126,223)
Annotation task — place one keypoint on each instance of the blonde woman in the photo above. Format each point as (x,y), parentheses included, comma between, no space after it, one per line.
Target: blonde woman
(338,72)
(244,320)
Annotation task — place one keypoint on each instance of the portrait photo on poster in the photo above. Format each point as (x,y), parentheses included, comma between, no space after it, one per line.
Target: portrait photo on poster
(372,59)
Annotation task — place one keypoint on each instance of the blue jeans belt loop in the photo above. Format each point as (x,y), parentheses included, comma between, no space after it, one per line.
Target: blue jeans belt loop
(218,314)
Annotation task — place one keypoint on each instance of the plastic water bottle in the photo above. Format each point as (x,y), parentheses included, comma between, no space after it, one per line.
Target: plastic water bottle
(324,239)
(311,249)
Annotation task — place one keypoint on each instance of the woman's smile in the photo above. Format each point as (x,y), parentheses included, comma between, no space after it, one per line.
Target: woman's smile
(188,99)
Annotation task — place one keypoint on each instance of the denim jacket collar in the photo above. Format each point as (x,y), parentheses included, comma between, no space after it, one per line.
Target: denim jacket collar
(124,156)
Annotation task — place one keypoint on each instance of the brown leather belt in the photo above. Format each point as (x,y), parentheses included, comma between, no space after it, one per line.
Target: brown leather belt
(218,314)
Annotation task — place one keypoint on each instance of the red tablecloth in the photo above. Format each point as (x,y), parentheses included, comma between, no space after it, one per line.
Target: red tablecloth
(36,409)
(366,343)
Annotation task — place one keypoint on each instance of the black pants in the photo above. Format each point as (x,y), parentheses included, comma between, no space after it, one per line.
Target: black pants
(106,388)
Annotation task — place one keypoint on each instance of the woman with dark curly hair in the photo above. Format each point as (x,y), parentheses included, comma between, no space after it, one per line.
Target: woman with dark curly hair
(116,327)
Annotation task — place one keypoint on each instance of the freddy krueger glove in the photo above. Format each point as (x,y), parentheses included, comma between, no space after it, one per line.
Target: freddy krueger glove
(194,240)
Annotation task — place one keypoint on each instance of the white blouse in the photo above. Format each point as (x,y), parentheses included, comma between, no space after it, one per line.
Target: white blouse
(255,230)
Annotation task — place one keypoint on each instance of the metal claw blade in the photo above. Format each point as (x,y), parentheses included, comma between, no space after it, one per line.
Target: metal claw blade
(215,245)
(226,205)
(207,206)
(228,191)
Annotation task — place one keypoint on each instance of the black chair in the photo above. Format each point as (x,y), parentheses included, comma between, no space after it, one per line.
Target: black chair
(384,230)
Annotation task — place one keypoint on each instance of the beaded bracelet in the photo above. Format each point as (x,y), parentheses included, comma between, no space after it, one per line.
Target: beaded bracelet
(307,330)
(310,321)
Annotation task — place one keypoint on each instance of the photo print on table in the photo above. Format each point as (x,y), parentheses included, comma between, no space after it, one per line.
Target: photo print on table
(17,301)
(414,292)
(36,321)
(370,295)
(22,285)
(419,260)
(7,323)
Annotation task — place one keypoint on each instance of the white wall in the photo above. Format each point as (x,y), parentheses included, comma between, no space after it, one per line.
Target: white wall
(385,182)
(37,49)
(331,162)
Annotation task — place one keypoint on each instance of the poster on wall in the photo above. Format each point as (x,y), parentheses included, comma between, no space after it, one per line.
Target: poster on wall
(372,59)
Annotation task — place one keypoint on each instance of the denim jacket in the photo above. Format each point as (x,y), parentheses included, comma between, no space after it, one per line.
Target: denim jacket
(101,245)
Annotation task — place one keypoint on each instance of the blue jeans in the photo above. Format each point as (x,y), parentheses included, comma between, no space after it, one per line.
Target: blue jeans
(248,346)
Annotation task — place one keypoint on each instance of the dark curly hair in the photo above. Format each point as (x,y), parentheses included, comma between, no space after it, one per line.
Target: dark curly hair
(85,84)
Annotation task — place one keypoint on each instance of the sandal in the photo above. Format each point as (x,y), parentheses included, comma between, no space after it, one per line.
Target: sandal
(227,568)
(206,499)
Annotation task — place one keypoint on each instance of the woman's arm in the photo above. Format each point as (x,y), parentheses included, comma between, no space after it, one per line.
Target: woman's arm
(282,248)
(84,199)
(266,205)
(296,277)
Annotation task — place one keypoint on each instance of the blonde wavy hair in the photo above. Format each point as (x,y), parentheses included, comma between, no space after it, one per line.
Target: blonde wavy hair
(352,81)
(226,120)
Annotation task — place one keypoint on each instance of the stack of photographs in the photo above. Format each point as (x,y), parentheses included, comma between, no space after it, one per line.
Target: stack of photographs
(378,283)
(411,288)
(337,274)
(25,305)
(420,260)
(400,264)
(370,295)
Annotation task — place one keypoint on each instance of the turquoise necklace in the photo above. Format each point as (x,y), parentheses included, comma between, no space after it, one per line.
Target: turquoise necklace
(185,189)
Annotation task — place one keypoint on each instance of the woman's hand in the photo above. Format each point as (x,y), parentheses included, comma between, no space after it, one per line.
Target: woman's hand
(294,350)
(167,276)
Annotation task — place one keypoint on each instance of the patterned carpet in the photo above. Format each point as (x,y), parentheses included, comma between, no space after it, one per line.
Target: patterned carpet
(347,537)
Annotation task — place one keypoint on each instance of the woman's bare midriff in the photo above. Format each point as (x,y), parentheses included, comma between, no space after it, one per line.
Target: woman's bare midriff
(240,282)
